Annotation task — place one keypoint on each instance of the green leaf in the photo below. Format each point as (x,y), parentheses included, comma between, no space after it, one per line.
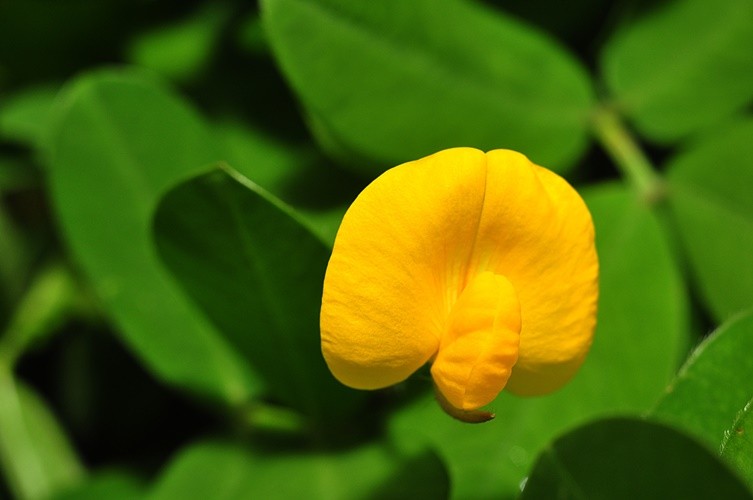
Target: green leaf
(638,343)
(683,67)
(626,459)
(713,210)
(228,471)
(16,175)
(118,139)
(707,393)
(393,81)
(15,262)
(737,447)
(299,176)
(47,303)
(23,116)
(110,485)
(35,453)
(258,274)
(181,50)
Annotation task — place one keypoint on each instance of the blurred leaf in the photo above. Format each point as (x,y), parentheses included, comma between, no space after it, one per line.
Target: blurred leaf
(712,205)
(228,471)
(118,140)
(181,50)
(16,174)
(707,393)
(36,456)
(44,307)
(258,273)
(626,459)
(737,447)
(108,485)
(684,67)
(637,345)
(301,177)
(14,262)
(393,81)
(251,35)
(576,25)
(23,116)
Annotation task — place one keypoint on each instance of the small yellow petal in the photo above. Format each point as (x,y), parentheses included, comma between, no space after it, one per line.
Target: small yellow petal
(478,351)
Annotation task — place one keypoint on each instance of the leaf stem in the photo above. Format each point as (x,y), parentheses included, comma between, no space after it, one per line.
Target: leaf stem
(627,155)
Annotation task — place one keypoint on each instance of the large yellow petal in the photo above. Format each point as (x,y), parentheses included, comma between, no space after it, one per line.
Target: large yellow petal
(536,231)
(398,264)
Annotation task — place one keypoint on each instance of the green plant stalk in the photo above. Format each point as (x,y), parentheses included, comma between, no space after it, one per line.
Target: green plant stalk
(627,155)
(23,468)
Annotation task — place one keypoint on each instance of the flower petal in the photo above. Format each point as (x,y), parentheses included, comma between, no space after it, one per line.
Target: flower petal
(398,265)
(478,352)
(537,232)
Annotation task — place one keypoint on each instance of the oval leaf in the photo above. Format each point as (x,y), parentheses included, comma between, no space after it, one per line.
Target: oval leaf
(639,339)
(626,459)
(257,272)
(707,394)
(711,202)
(117,140)
(392,81)
(683,67)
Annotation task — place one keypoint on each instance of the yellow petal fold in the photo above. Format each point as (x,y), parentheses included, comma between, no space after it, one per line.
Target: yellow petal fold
(478,351)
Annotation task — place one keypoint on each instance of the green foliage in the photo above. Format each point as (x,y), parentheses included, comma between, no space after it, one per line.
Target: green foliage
(228,243)
(159,308)
(122,159)
(111,485)
(707,394)
(627,458)
(711,203)
(682,68)
(34,451)
(438,87)
(737,446)
(227,470)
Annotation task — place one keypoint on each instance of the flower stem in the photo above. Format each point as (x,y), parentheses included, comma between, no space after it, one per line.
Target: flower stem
(627,155)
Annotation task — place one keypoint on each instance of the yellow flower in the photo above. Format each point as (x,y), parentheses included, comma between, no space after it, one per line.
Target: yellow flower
(481,263)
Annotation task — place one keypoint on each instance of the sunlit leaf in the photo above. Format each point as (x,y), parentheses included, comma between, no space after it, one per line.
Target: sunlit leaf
(683,67)
(118,139)
(36,455)
(737,447)
(391,81)
(709,391)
